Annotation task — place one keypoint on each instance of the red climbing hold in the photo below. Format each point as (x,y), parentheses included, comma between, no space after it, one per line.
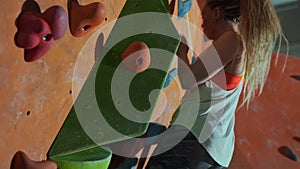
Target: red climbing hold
(37,31)
(34,35)
(57,19)
(22,161)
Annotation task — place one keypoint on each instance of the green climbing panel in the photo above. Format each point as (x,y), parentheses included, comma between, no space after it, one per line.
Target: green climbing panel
(102,114)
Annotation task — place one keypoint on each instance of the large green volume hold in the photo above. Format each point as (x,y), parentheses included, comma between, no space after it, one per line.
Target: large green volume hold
(100,114)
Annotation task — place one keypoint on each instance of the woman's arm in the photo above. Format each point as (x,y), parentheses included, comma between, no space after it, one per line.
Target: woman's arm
(212,60)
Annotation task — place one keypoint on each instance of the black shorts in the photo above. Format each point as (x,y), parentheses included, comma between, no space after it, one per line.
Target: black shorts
(187,154)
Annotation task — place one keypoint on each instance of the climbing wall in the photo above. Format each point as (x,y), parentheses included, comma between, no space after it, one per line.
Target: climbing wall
(267,134)
(36,96)
(116,111)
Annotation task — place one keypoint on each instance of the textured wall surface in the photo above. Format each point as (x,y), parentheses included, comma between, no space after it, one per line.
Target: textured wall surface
(36,97)
(271,122)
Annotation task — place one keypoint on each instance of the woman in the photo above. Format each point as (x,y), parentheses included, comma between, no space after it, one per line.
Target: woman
(243,34)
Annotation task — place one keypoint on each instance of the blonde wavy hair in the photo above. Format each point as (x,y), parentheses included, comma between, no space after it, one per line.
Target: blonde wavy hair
(261,29)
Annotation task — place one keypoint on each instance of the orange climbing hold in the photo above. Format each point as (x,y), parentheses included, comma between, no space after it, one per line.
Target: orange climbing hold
(83,18)
(137,57)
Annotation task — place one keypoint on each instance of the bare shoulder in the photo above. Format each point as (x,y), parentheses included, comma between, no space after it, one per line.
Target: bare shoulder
(230,38)
(227,45)
(236,65)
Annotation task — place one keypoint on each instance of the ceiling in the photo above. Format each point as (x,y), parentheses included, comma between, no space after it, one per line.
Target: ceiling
(280,2)
(289,13)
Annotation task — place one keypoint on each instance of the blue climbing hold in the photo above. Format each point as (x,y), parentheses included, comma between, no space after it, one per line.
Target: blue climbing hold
(171,75)
(194,59)
(183,7)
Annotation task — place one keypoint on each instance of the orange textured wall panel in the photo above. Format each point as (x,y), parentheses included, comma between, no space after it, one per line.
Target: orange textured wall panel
(37,96)
(271,125)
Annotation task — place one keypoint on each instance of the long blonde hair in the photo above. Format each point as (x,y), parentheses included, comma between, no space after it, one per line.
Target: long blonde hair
(260,28)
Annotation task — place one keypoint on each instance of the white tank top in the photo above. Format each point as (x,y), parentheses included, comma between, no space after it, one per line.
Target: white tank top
(211,118)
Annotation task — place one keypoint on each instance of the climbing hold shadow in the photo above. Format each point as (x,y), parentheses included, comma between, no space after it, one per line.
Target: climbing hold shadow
(36,31)
(83,18)
(172,7)
(287,152)
(99,47)
(296,77)
(297,139)
(22,161)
